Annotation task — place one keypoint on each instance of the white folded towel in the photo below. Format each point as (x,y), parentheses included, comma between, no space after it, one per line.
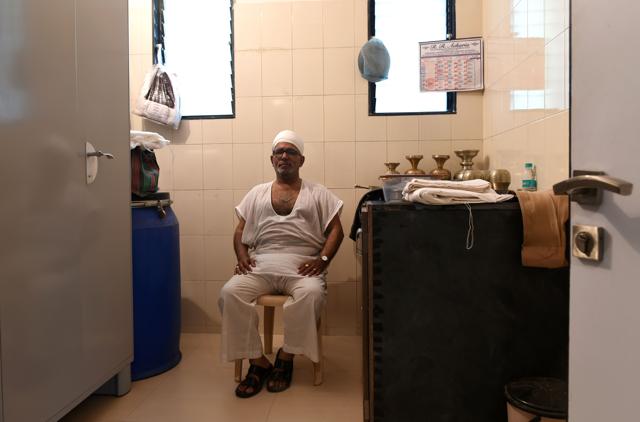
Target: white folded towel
(475,185)
(444,192)
(149,140)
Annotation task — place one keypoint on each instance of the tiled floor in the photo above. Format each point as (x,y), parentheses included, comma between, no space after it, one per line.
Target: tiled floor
(201,388)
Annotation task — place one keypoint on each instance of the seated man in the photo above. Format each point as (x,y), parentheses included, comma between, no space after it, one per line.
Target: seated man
(289,231)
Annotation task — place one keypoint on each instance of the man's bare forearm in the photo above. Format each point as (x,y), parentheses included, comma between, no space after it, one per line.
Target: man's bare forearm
(242,250)
(334,238)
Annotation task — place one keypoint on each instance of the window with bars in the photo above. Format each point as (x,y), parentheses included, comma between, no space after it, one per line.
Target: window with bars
(401,25)
(196,42)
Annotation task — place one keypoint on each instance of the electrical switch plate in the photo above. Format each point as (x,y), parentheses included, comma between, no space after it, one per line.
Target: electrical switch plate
(587,242)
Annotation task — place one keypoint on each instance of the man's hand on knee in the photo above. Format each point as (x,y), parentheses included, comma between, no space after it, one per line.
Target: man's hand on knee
(244,265)
(312,267)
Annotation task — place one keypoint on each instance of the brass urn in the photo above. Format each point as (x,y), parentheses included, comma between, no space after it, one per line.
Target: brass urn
(466,155)
(414,160)
(440,172)
(391,168)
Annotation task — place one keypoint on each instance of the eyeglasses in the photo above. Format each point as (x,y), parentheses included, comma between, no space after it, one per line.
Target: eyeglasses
(291,152)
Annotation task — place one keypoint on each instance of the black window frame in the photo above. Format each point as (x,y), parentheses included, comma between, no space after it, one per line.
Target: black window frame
(451,34)
(158,38)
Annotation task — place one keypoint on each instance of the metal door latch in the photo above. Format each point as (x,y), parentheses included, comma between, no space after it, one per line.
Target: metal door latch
(91,157)
(586,186)
(588,242)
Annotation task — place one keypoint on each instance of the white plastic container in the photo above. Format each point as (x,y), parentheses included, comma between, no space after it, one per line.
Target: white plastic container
(393,184)
(529,179)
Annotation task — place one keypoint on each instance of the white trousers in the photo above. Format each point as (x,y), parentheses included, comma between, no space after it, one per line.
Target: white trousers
(300,313)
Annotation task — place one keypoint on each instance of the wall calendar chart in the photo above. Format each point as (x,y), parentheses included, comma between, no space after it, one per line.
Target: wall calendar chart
(453,65)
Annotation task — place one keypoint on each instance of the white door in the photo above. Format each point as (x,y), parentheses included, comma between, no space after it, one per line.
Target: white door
(604,360)
(65,253)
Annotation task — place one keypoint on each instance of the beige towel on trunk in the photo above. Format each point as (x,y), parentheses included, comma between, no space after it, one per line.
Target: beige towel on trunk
(543,218)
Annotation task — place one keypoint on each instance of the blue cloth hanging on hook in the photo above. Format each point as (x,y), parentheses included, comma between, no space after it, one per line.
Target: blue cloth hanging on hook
(374,61)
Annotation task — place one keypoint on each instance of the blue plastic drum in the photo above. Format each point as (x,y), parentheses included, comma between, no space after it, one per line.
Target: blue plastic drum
(156,286)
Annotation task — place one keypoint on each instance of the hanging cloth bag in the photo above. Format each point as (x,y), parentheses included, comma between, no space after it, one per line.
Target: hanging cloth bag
(159,99)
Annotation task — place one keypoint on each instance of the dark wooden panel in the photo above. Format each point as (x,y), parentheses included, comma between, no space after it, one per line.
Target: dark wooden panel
(451,326)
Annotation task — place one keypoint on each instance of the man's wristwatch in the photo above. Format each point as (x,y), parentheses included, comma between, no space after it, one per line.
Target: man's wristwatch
(325,258)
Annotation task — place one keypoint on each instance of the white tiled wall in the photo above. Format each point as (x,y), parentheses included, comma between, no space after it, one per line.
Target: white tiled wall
(295,68)
(527,51)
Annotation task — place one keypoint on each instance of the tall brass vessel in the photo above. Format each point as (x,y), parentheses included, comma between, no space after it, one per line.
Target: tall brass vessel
(414,160)
(466,156)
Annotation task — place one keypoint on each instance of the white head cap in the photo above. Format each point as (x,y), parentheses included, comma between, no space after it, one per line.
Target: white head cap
(290,137)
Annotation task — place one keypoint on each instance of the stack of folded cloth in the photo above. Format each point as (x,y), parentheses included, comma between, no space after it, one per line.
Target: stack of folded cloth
(445,192)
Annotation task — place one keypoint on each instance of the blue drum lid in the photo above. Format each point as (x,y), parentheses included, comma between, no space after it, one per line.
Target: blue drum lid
(158,196)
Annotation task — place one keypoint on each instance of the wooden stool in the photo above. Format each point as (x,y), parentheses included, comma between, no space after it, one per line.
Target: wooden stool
(270,302)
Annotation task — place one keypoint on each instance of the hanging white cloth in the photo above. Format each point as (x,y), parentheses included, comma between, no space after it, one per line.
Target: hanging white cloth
(148,140)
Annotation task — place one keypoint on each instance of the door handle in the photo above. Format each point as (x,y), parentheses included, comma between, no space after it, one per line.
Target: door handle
(91,157)
(585,187)
(100,154)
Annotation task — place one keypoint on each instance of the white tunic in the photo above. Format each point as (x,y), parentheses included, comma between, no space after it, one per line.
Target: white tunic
(280,243)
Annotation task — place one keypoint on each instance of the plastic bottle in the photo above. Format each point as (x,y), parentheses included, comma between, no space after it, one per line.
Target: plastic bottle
(529,181)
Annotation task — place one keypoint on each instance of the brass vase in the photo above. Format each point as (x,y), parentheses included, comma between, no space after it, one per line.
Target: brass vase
(440,172)
(500,180)
(391,168)
(414,160)
(473,174)
(466,155)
